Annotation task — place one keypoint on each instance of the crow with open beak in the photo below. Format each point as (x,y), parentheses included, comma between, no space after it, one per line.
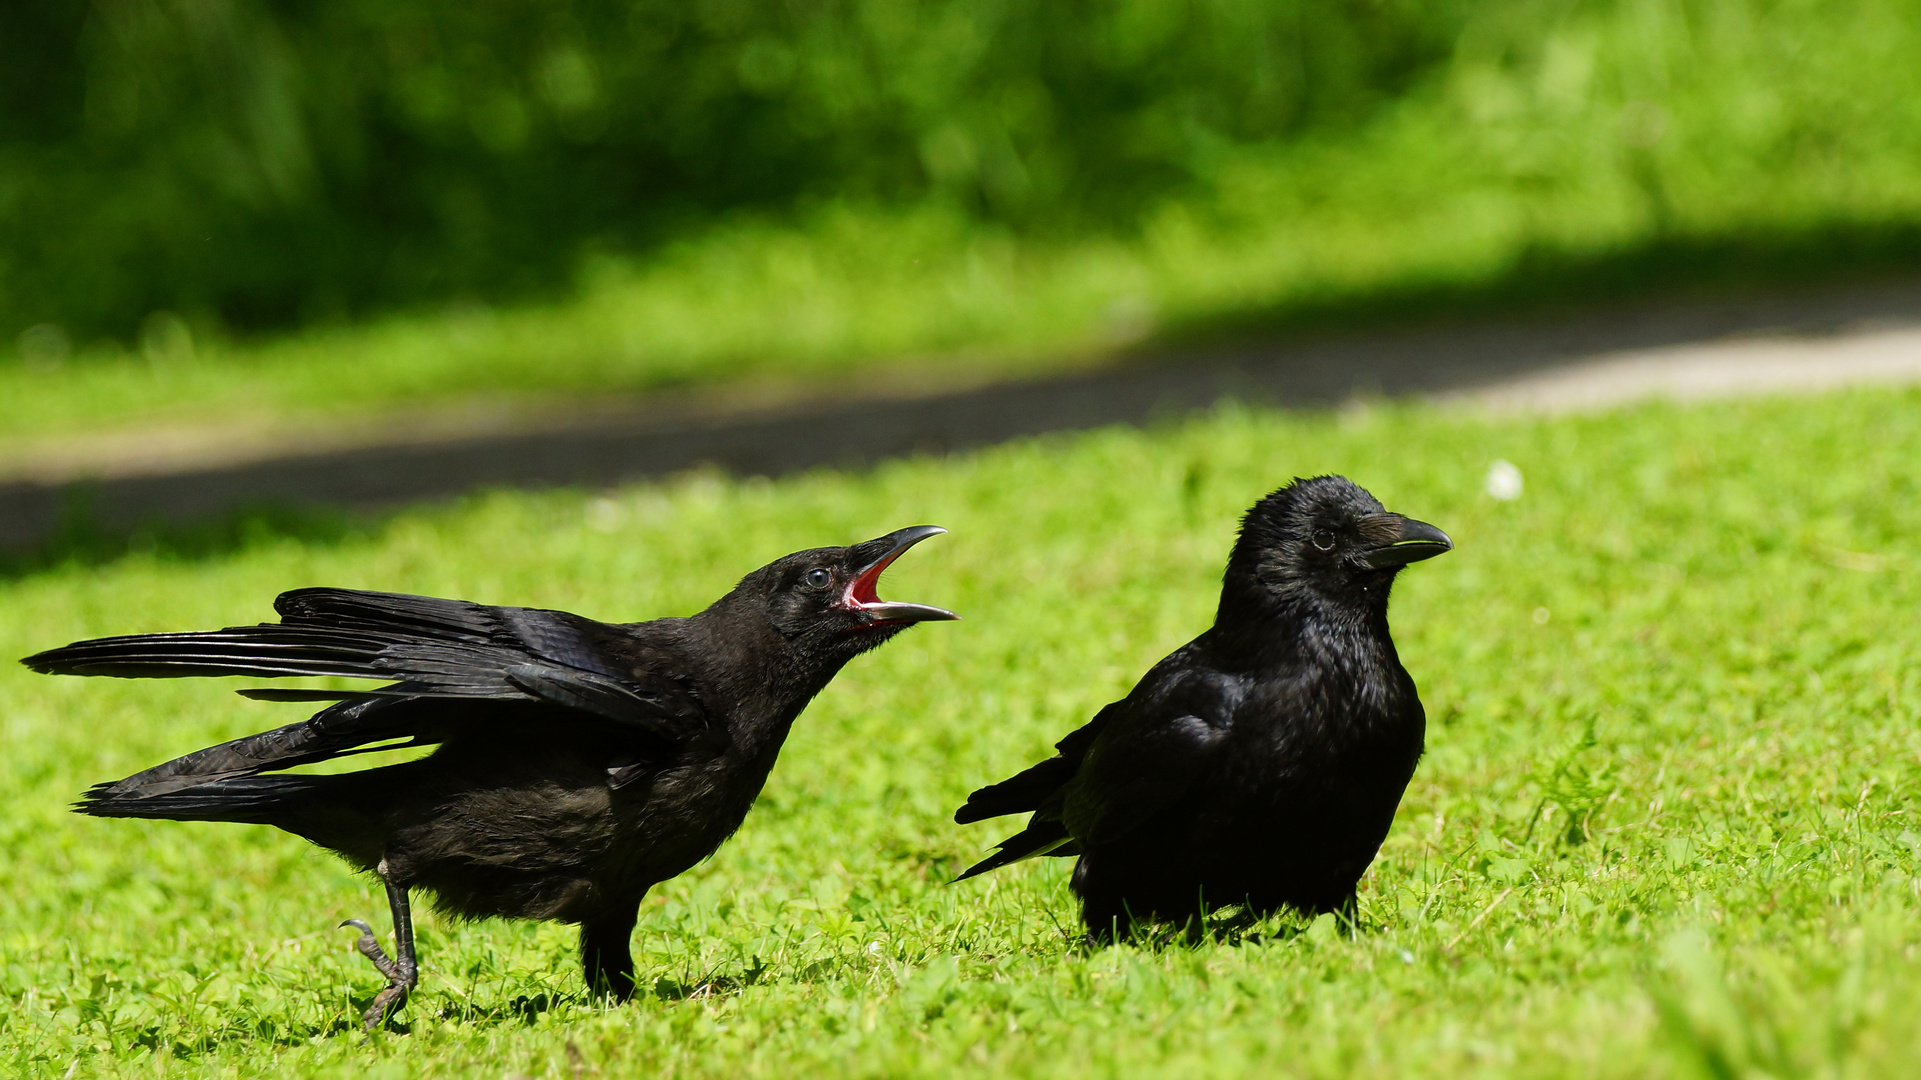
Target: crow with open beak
(577,763)
(1261,763)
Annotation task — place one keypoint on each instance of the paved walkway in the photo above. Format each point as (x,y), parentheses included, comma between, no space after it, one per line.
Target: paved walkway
(1706,370)
(1783,344)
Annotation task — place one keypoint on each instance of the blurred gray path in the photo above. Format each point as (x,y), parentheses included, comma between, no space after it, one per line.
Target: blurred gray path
(1801,343)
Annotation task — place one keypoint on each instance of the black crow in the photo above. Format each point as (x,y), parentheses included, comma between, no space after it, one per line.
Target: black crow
(1261,763)
(577,762)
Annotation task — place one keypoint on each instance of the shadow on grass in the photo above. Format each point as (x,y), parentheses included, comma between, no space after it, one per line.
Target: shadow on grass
(1230,925)
(80,539)
(524,1009)
(1550,308)
(1773,269)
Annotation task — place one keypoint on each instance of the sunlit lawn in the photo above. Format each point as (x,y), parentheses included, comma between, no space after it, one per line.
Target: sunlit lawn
(1665,825)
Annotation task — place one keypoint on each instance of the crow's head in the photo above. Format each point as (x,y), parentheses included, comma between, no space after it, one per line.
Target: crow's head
(829,596)
(1325,541)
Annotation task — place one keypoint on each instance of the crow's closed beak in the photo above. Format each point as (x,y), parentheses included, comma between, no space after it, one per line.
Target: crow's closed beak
(1409,541)
(862,594)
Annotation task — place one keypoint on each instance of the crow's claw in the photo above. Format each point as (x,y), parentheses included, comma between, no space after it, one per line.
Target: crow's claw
(369,947)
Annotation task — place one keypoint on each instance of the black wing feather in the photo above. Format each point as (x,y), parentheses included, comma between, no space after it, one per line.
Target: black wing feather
(1136,757)
(1136,772)
(425,646)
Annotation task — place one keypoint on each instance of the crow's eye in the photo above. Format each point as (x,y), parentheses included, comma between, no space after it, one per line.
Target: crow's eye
(1323,539)
(817,578)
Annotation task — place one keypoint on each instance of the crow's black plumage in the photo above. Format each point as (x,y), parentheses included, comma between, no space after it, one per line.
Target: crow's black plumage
(1261,763)
(578,763)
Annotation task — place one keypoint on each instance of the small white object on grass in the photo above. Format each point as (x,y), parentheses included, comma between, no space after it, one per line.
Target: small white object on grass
(1503,481)
(605,515)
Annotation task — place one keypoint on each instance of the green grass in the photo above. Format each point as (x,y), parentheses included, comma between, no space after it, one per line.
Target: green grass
(1666,824)
(1608,150)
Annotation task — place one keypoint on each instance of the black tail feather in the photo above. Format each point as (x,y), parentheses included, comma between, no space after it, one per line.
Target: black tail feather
(255,800)
(1018,794)
(1041,837)
(1032,788)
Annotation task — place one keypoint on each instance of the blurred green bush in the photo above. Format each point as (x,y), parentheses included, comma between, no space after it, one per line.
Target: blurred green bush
(258,163)
(171,167)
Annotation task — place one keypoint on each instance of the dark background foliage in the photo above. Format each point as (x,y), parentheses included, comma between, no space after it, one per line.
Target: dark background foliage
(260,163)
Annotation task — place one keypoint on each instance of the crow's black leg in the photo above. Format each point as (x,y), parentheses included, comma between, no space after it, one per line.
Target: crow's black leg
(1109,921)
(606,952)
(1348,914)
(402,971)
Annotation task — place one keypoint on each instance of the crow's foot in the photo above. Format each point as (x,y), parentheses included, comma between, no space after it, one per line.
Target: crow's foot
(401,976)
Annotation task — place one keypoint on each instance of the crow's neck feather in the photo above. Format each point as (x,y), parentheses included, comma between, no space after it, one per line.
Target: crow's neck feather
(761,678)
(1258,625)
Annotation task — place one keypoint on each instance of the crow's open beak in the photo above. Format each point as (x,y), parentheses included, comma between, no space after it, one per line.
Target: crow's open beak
(1409,541)
(862,593)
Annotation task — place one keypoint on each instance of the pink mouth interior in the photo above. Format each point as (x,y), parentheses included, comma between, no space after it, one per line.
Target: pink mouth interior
(866,588)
